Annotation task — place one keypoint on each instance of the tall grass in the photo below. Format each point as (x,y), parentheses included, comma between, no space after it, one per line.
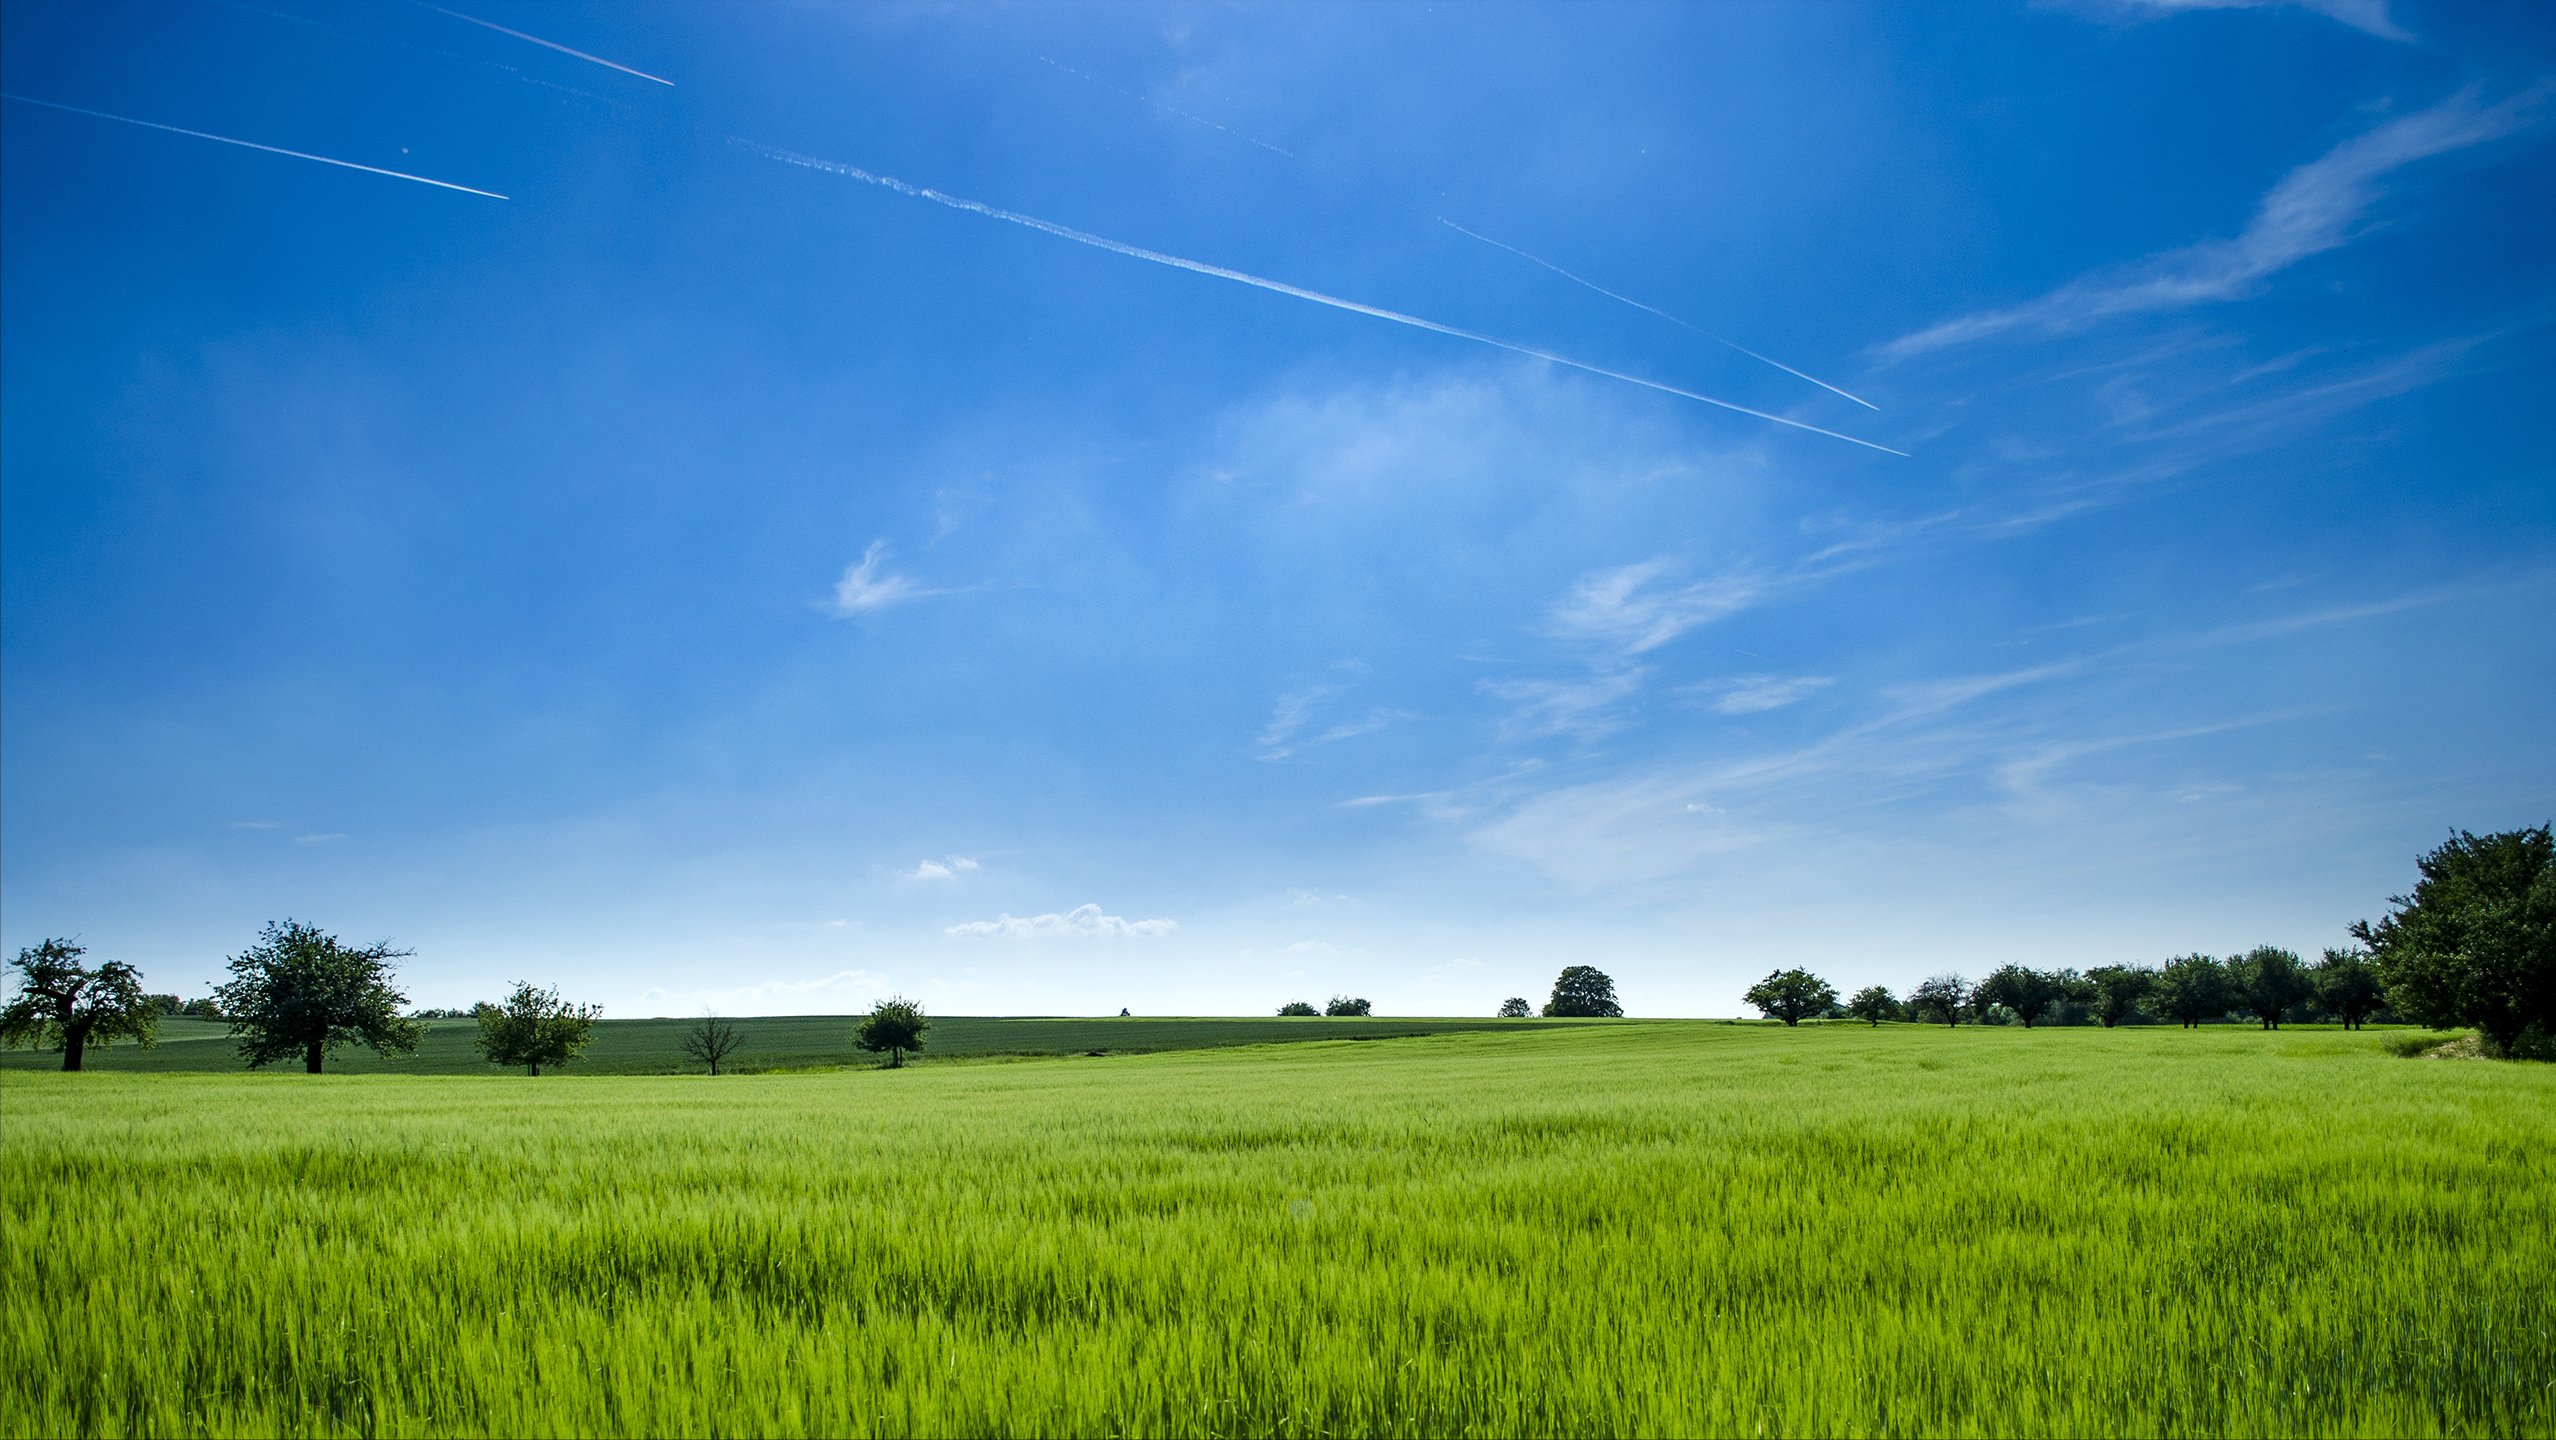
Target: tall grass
(1656,1229)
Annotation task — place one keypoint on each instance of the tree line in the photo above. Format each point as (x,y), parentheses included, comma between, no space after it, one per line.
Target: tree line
(1579,992)
(2473,946)
(301,993)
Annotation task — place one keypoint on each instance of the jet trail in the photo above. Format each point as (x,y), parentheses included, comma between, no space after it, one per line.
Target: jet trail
(253,145)
(1201,267)
(548,44)
(1529,256)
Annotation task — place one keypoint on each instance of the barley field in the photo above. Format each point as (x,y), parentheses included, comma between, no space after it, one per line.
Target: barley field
(1668,1229)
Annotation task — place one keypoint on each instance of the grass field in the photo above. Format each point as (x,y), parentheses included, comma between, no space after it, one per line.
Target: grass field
(1671,1228)
(785,1042)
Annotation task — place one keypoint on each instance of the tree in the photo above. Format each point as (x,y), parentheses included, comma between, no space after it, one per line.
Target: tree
(298,991)
(2475,944)
(2117,990)
(534,1028)
(893,1026)
(1584,992)
(1348,1005)
(1791,995)
(2347,985)
(2267,980)
(64,1005)
(711,1040)
(2020,988)
(1873,1004)
(2193,988)
(1940,997)
(1516,1008)
(1298,1007)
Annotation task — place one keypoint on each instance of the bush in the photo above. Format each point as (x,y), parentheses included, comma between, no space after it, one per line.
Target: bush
(1348,1005)
(1298,1007)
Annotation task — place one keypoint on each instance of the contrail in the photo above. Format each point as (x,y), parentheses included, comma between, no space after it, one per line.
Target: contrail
(253,145)
(549,44)
(1529,256)
(1201,267)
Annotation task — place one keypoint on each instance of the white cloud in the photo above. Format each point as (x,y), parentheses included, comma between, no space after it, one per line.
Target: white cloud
(1082,922)
(1588,708)
(257,824)
(1622,607)
(2368,16)
(1755,694)
(329,838)
(948,868)
(867,587)
(2314,208)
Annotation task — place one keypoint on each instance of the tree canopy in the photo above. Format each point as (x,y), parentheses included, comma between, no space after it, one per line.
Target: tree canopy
(534,1028)
(2117,990)
(1791,996)
(1298,1007)
(1348,1005)
(298,991)
(2347,985)
(1584,992)
(1516,1007)
(712,1040)
(2266,981)
(1940,997)
(2475,944)
(2020,988)
(1873,1004)
(64,1005)
(2193,988)
(893,1027)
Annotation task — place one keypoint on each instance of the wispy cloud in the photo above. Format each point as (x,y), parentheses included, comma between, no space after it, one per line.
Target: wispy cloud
(329,838)
(1292,717)
(1628,609)
(868,586)
(1756,694)
(1083,922)
(1589,708)
(2371,17)
(2315,208)
(947,868)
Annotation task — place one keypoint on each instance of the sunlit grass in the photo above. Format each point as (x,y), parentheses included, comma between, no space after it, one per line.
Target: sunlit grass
(1665,1229)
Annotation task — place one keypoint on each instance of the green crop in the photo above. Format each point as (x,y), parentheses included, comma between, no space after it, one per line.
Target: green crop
(1670,1228)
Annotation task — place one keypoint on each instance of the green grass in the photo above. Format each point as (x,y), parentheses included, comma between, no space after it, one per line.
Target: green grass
(1636,1229)
(783,1042)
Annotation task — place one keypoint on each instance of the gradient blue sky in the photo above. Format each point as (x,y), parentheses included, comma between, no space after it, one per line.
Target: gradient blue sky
(700,580)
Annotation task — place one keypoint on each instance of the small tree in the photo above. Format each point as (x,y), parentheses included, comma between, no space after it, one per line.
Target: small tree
(298,991)
(2347,985)
(2267,980)
(892,1027)
(2192,989)
(1516,1007)
(1348,1005)
(2117,991)
(711,1040)
(1791,996)
(534,1028)
(1298,1007)
(2020,988)
(2475,944)
(1584,992)
(1873,1004)
(64,1005)
(1940,997)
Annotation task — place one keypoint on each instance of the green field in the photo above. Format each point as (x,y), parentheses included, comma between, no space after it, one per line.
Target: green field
(1670,1228)
(784,1042)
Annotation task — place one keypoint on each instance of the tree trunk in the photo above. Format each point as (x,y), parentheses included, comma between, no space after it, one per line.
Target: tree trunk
(535,1067)
(312,1055)
(75,1045)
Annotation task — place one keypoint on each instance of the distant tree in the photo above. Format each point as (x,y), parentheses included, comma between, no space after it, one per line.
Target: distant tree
(2267,980)
(2020,988)
(1298,1007)
(2475,944)
(1584,992)
(64,1005)
(712,1039)
(2116,991)
(1791,996)
(1873,1004)
(443,1012)
(1940,997)
(892,1027)
(1124,1013)
(2347,985)
(1348,1005)
(298,991)
(534,1028)
(1516,1007)
(202,1007)
(2192,989)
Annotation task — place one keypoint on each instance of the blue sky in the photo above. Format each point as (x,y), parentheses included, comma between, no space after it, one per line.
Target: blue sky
(700,579)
